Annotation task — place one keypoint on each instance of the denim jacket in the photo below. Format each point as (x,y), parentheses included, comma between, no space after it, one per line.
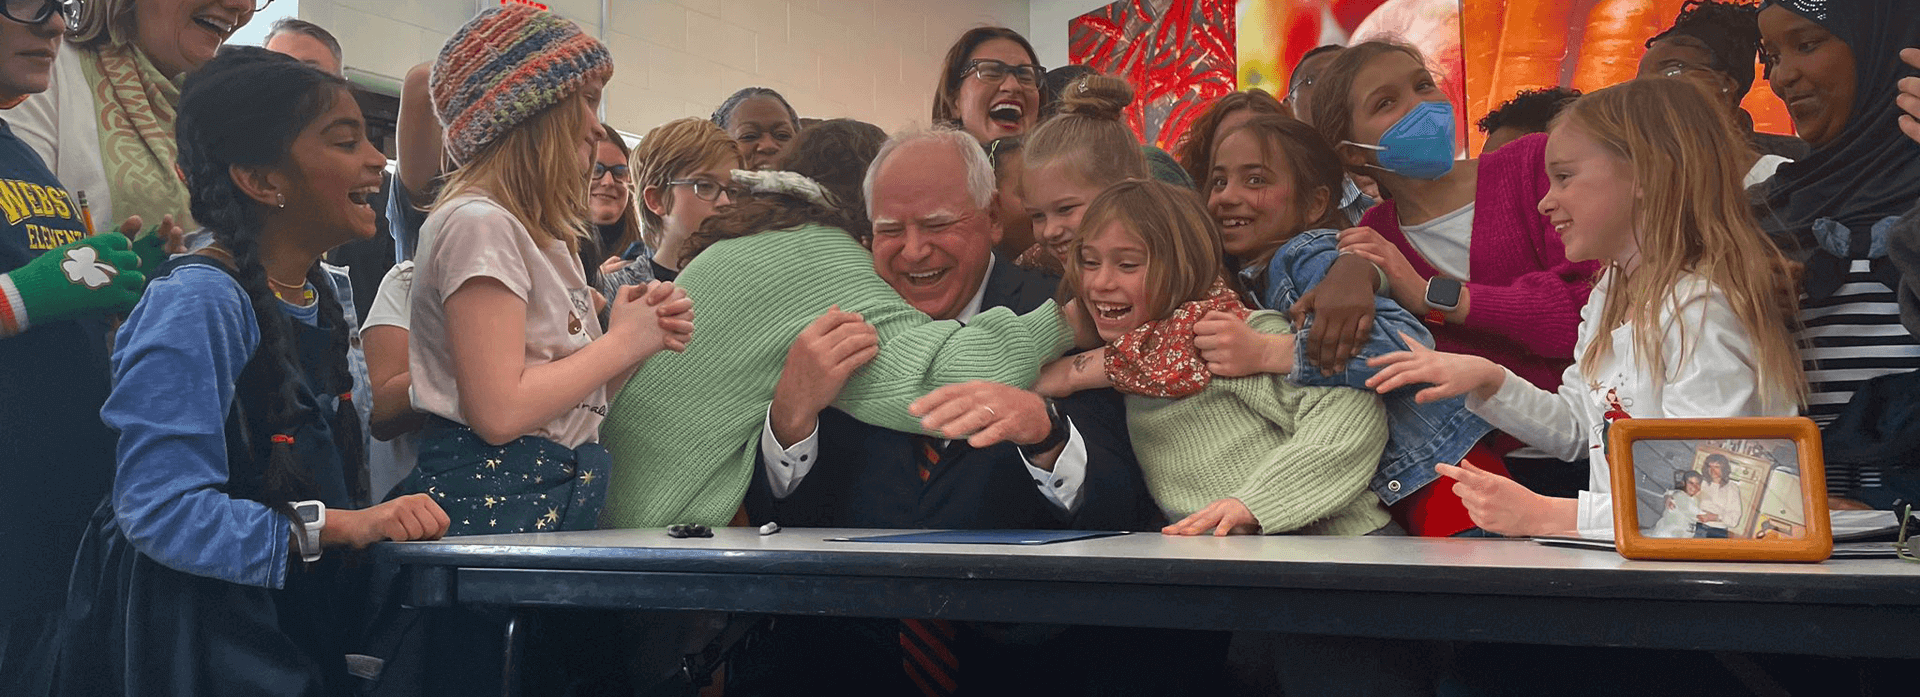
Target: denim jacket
(1419,435)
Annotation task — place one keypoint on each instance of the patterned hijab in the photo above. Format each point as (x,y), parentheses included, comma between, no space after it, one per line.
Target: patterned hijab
(135,120)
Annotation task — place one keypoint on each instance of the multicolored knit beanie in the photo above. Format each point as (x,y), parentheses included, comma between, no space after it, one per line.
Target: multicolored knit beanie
(504,66)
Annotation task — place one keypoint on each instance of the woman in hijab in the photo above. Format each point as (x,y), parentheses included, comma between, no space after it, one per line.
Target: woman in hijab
(1835,65)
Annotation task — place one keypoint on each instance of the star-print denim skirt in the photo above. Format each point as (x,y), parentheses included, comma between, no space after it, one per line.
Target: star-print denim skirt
(530,484)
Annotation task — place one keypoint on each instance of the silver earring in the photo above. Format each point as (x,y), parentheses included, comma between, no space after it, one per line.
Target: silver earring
(280,200)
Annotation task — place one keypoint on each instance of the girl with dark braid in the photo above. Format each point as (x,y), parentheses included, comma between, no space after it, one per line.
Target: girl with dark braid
(205,571)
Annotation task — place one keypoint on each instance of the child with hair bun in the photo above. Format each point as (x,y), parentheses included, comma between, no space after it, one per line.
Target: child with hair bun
(1072,157)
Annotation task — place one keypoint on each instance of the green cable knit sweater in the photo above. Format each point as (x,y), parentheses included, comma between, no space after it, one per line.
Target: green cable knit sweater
(1298,457)
(684,431)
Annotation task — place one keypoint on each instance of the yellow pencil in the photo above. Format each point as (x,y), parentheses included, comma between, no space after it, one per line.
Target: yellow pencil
(86,214)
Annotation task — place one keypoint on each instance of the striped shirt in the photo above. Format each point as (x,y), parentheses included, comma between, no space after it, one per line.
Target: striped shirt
(1848,338)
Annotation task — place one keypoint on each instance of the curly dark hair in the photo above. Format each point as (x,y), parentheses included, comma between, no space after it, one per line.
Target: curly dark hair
(244,109)
(1531,111)
(834,153)
(1730,31)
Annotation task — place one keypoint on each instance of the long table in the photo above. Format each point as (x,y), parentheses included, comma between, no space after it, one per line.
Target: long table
(1414,588)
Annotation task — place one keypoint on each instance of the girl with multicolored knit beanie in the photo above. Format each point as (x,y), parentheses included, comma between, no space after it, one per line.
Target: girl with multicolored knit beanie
(1225,455)
(507,352)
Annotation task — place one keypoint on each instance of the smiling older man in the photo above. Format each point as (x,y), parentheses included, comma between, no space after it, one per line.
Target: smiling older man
(1068,464)
(931,199)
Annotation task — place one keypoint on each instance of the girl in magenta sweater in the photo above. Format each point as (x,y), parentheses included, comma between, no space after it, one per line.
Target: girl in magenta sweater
(1461,242)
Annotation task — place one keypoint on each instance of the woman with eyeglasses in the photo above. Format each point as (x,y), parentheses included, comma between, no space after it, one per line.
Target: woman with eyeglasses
(683,170)
(1713,44)
(121,65)
(990,85)
(610,206)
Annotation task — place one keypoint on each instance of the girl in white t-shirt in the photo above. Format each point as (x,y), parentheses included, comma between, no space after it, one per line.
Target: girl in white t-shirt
(1691,317)
(506,350)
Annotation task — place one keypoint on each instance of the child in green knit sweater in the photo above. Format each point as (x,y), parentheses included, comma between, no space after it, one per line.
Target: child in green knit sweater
(1230,455)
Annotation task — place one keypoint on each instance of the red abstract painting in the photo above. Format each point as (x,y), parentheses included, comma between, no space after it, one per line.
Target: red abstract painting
(1178,56)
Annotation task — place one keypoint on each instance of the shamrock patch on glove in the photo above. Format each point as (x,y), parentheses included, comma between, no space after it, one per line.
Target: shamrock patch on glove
(83,267)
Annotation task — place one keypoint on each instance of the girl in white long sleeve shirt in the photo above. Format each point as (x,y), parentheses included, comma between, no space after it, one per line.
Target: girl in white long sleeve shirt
(1690,319)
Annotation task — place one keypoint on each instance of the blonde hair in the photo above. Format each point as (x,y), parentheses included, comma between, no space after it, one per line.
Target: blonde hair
(103,22)
(524,171)
(672,150)
(1089,134)
(1184,252)
(1692,216)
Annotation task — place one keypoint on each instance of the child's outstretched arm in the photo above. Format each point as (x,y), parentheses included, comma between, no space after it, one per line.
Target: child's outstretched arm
(1448,374)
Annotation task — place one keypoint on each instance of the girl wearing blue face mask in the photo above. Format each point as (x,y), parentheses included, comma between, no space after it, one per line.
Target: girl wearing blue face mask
(1461,241)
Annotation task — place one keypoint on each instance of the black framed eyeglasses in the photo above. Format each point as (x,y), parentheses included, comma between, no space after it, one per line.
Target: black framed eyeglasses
(1909,524)
(708,189)
(993,71)
(620,172)
(38,11)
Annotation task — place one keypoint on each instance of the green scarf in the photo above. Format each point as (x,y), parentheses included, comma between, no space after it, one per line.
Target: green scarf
(136,113)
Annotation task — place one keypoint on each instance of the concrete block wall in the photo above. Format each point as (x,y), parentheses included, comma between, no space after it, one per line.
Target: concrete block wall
(875,60)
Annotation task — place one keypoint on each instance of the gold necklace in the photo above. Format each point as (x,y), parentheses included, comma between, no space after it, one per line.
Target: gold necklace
(302,291)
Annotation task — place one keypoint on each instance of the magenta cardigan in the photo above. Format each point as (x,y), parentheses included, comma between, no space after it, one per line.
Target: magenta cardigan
(1525,297)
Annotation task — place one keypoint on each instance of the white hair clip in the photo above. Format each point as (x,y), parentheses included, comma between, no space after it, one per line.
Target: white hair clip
(793,184)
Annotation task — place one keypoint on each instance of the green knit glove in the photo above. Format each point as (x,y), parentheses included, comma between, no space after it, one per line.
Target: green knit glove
(94,275)
(152,250)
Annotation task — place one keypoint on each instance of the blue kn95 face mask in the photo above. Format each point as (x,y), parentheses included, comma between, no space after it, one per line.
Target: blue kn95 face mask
(1420,145)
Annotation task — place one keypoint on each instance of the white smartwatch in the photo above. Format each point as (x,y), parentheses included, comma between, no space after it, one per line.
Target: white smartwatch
(310,516)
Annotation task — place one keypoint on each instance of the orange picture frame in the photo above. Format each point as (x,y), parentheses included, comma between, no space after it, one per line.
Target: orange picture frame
(1735,489)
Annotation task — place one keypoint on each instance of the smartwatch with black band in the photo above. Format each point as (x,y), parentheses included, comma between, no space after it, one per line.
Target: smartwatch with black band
(1055,436)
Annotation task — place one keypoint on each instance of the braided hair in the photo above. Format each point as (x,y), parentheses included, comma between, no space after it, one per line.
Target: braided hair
(245,108)
(1729,30)
(723,116)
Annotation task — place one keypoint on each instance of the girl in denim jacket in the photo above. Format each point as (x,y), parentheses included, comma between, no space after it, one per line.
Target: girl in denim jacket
(1273,188)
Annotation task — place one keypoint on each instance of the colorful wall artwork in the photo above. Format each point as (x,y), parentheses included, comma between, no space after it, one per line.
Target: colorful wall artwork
(1514,45)
(1181,53)
(1178,54)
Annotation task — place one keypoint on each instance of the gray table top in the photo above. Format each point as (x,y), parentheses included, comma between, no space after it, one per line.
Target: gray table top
(1432,565)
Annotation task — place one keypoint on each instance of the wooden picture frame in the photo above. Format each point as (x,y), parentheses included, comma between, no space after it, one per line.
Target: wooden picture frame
(1735,489)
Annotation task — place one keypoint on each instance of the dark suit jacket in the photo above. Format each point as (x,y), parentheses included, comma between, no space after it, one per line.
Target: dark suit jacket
(868,476)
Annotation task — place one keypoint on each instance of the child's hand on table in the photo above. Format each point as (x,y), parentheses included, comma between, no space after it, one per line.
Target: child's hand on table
(1223,517)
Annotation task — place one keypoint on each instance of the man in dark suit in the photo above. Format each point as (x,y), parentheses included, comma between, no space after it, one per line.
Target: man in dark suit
(1067,464)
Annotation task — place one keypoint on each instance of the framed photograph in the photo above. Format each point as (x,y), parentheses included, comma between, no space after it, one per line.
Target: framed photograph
(1748,489)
